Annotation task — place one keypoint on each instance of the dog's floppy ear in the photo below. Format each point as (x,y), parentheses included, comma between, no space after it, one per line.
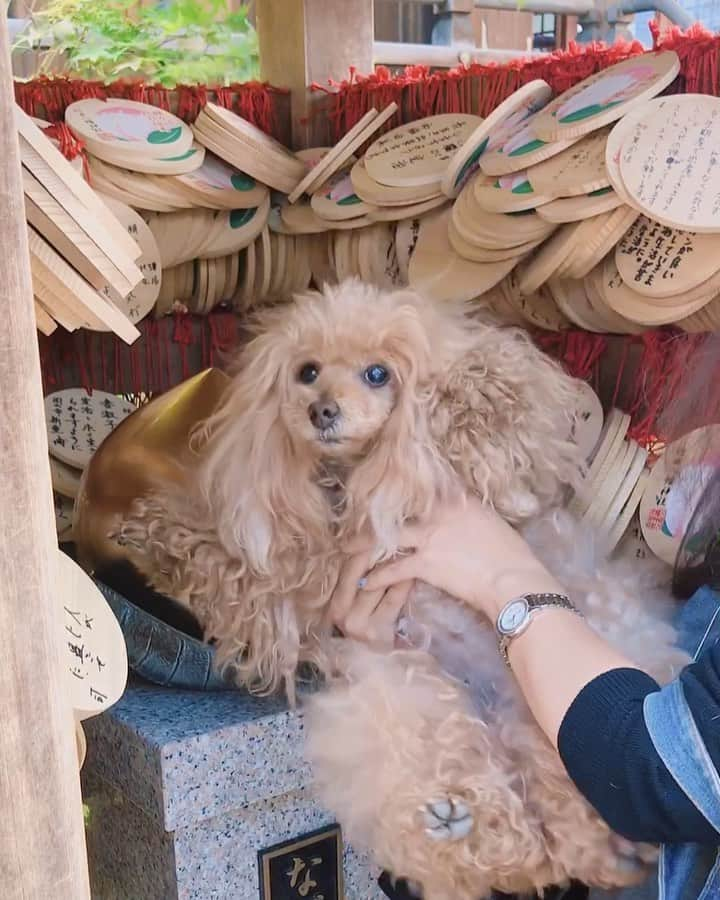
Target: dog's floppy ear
(403,473)
(250,474)
(501,413)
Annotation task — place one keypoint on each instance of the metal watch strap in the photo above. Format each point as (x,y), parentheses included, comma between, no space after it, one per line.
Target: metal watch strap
(535,603)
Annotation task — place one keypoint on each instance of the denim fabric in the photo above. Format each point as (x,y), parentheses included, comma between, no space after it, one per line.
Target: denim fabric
(698,622)
(685,871)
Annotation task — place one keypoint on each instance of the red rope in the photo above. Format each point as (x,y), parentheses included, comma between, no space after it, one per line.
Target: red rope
(48,98)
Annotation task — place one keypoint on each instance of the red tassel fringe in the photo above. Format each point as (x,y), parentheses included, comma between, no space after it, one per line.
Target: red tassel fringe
(647,370)
(48,98)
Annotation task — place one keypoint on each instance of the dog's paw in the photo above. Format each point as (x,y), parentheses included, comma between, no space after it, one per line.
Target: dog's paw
(634,855)
(447,820)
(632,863)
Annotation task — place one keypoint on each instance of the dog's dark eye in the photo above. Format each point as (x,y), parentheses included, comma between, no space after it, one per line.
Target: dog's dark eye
(308,373)
(376,376)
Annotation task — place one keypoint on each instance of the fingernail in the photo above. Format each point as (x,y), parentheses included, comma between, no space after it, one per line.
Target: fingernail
(362,582)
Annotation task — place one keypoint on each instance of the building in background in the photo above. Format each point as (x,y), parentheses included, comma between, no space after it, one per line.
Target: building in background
(413,22)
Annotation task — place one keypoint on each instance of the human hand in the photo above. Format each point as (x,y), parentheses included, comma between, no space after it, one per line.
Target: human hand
(366,615)
(467,551)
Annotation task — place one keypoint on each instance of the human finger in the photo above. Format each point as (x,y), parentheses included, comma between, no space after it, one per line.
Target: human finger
(406,568)
(359,622)
(346,589)
(391,606)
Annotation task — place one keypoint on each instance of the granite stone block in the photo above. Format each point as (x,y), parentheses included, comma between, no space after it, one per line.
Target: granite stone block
(186,787)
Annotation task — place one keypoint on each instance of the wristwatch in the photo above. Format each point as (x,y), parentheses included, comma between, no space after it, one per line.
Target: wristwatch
(516,616)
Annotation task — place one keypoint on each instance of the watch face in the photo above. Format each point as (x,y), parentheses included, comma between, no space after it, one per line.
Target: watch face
(513,616)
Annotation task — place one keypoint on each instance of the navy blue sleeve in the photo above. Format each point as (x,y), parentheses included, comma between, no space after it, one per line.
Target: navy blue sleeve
(607,751)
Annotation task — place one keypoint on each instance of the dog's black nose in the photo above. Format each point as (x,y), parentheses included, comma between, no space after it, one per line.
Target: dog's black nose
(323,413)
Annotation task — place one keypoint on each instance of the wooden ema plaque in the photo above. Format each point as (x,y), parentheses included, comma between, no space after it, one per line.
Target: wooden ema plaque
(73,181)
(73,242)
(63,508)
(660,261)
(548,259)
(576,171)
(419,152)
(608,319)
(336,200)
(676,483)
(627,515)
(93,645)
(65,479)
(639,308)
(605,454)
(596,237)
(669,161)
(125,132)
(141,299)
(630,125)
(397,213)
(343,151)
(493,132)
(520,150)
(437,270)
(581,307)
(221,186)
(477,253)
(232,230)
(575,209)
(618,507)
(43,320)
(538,308)
(95,221)
(508,194)
(606,96)
(78,422)
(495,231)
(247,148)
(64,292)
(587,422)
(382,195)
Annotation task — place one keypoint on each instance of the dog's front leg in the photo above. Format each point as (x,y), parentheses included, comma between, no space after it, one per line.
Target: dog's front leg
(180,555)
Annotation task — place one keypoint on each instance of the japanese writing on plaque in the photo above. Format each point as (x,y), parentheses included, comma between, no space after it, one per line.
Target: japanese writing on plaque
(672,162)
(636,542)
(655,516)
(306,868)
(86,665)
(425,139)
(656,251)
(78,422)
(63,514)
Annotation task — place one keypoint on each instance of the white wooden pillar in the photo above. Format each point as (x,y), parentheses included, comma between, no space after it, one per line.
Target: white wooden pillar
(306,41)
(42,843)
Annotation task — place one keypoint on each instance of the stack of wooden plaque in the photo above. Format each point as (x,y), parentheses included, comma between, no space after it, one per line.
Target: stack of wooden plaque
(82,258)
(585,211)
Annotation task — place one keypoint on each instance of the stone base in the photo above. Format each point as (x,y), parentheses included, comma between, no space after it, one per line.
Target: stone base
(185,788)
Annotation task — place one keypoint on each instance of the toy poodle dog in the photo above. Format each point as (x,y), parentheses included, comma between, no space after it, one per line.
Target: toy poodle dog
(357,410)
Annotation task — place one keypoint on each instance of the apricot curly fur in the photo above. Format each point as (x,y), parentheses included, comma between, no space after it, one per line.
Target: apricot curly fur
(256,548)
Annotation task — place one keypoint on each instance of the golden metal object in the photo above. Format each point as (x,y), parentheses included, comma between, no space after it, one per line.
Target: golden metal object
(148,450)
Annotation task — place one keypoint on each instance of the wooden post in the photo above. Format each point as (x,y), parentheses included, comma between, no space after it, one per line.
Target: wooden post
(306,41)
(42,843)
